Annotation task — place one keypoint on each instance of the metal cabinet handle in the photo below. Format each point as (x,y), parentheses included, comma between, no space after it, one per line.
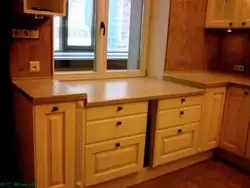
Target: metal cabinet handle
(118,123)
(55,109)
(119,108)
(117,145)
(183,100)
(179,131)
(103,27)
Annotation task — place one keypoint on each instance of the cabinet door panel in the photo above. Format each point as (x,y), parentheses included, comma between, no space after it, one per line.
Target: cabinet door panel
(244,18)
(247,154)
(54,145)
(175,143)
(212,118)
(235,121)
(113,159)
(220,13)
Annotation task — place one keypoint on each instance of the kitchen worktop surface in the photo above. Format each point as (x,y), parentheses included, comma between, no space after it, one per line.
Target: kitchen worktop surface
(100,92)
(207,79)
(41,91)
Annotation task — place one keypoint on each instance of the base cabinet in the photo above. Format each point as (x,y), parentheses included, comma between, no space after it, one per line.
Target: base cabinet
(236,121)
(54,145)
(212,113)
(115,158)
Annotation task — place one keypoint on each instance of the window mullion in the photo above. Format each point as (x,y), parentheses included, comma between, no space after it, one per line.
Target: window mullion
(101,37)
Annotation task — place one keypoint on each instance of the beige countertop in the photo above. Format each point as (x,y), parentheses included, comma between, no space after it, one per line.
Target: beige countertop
(43,91)
(101,92)
(207,79)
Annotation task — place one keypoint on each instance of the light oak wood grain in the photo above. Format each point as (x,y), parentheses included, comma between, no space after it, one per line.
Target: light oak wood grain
(234,130)
(23,51)
(211,121)
(170,145)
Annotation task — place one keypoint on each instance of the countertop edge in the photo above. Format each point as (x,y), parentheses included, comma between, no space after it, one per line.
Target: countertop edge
(51,99)
(141,99)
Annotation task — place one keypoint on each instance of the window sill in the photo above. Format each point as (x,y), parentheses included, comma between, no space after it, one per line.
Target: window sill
(88,56)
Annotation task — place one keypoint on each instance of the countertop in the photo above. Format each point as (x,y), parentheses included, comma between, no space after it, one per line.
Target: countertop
(102,92)
(43,91)
(207,79)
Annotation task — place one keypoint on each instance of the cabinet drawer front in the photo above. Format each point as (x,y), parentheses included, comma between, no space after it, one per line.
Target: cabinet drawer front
(173,144)
(116,110)
(113,159)
(179,116)
(115,128)
(180,102)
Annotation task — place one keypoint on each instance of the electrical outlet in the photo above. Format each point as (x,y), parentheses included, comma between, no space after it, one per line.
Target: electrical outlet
(34,66)
(16,33)
(239,68)
(25,34)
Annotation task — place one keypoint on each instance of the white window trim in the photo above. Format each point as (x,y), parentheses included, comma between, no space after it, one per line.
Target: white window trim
(101,67)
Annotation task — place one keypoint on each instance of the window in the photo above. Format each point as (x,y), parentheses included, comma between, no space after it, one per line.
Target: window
(101,37)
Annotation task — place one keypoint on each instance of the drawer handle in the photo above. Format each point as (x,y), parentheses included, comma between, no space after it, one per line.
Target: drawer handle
(181,113)
(55,109)
(179,131)
(183,100)
(246,93)
(117,145)
(244,23)
(119,108)
(118,123)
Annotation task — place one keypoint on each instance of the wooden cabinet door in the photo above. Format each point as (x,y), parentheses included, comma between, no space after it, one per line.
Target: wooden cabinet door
(54,145)
(175,143)
(220,13)
(244,18)
(212,113)
(247,154)
(113,159)
(235,121)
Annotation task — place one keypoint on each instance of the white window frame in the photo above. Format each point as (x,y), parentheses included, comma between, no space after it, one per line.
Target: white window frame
(101,71)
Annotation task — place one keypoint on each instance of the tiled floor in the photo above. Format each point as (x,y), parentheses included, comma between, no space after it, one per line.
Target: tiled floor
(208,174)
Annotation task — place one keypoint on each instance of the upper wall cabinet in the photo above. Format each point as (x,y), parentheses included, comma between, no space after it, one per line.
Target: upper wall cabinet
(228,14)
(221,13)
(42,7)
(244,18)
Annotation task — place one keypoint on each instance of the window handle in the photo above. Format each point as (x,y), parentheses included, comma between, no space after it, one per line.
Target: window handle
(103,27)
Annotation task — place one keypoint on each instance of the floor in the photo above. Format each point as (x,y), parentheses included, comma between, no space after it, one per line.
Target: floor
(209,174)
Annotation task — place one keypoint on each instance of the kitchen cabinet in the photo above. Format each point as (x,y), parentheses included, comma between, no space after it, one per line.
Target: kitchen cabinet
(244,18)
(54,145)
(228,14)
(221,13)
(174,128)
(41,7)
(235,121)
(115,138)
(212,118)
(45,140)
